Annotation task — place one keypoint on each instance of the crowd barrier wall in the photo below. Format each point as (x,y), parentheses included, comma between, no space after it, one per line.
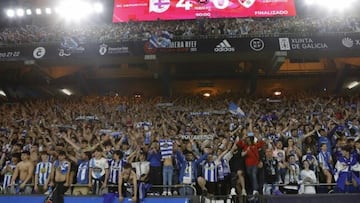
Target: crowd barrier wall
(84,199)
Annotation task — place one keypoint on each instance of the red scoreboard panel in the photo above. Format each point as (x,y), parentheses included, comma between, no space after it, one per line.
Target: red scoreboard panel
(150,10)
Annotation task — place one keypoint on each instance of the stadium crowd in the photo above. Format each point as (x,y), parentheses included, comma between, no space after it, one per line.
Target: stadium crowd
(239,27)
(222,145)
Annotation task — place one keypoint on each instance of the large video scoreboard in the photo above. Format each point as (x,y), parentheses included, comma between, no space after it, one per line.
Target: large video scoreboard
(151,10)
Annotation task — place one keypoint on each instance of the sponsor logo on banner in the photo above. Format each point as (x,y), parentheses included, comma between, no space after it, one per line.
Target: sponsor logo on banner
(257,44)
(349,42)
(159,6)
(105,49)
(247,3)
(173,47)
(224,46)
(284,44)
(300,44)
(69,52)
(69,46)
(39,52)
(10,54)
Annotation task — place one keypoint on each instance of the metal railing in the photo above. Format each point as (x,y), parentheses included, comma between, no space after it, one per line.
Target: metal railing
(174,187)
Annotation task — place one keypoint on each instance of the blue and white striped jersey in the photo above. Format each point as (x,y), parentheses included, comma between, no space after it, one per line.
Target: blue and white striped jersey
(43,170)
(82,176)
(166,148)
(210,172)
(115,170)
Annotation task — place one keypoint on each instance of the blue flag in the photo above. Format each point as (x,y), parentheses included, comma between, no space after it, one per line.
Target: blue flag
(236,110)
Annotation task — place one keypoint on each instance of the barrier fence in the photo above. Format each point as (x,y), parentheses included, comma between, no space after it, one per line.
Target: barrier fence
(193,197)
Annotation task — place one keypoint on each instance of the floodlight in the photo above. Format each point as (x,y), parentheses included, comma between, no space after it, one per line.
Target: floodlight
(332,4)
(28,12)
(48,11)
(309,2)
(20,12)
(353,84)
(10,13)
(2,93)
(38,11)
(277,93)
(74,11)
(98,7)
(57,10)
(206,94)
(66,91)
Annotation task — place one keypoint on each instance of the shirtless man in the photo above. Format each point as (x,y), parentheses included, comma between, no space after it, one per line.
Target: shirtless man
(60,177)
(127,178)
(23,173)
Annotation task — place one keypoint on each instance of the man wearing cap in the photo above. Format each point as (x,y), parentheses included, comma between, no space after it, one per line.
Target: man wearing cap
(23,173)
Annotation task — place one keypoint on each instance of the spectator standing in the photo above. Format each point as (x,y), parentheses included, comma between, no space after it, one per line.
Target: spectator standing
(252,158)
(60,177)
(42,174)
(166,150)
(82,176)
(8,172)
(99,172)
(307,176)
(271,173)
(292,176)
(23,174)
(348,168)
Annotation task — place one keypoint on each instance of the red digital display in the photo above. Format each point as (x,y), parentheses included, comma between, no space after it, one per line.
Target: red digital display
(150,10)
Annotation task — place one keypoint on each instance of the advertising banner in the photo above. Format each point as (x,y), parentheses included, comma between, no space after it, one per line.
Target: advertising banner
(324,43)
(161,45)
(152,10)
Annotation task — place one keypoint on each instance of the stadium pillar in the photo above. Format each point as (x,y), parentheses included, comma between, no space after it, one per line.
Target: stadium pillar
(83,85)
(166,80)
(340,78)
(252,83)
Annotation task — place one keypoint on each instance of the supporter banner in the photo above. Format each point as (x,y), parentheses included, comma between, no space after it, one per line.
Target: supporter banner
(152,10)
(197,137)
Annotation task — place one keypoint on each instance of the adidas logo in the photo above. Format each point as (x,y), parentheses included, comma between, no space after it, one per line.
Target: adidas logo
(224,46)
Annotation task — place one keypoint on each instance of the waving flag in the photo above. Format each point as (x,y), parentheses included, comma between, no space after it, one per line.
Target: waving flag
(236,110)
(154,43)
(161,40)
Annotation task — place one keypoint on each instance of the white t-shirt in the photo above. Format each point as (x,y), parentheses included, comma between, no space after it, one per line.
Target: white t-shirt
(310,174)
(98,167)
(141,168)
